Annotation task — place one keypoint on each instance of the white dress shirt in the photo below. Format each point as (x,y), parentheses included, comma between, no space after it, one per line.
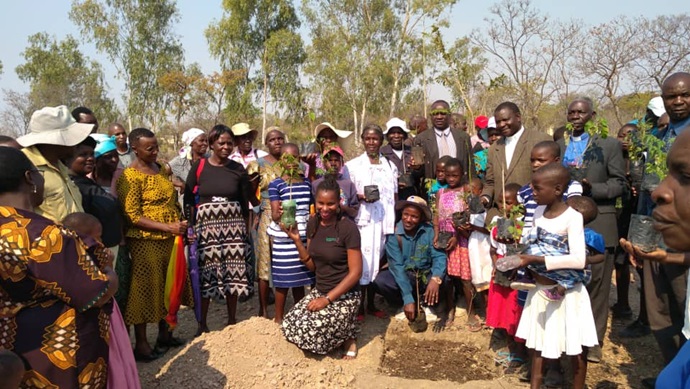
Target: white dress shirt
(511,143)
(440,135)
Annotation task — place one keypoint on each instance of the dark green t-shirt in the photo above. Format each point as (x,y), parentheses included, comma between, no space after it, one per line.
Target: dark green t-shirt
(328,249)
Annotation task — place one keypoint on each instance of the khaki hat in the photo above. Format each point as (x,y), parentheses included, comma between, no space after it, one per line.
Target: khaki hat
(240,129)
(54,126)
(341,133)
(417,202)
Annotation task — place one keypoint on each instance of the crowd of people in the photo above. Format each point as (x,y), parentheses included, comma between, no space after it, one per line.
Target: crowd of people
(521,228)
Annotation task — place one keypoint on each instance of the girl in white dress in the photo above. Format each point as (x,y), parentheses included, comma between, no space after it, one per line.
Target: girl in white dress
(553,326)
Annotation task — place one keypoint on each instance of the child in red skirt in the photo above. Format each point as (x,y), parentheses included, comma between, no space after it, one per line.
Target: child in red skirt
(503,311)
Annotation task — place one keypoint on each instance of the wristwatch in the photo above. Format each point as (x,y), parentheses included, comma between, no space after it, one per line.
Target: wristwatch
(437,279)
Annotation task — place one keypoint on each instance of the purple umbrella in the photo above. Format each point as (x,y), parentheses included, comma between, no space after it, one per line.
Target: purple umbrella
(194,276)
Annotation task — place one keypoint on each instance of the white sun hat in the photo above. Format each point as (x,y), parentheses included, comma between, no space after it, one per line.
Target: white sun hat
(341,133)
(54,126)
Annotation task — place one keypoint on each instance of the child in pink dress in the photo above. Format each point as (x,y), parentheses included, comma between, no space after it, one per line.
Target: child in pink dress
(451,200)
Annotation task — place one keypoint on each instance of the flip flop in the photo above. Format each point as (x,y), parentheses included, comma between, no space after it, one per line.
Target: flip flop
(501,356)
(475,327)
(350,354)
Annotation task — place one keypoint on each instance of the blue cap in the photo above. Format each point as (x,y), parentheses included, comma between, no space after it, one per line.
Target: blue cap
(104,144)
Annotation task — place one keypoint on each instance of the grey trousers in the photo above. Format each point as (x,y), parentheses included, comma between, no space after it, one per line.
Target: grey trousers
(598,289)
(665,287)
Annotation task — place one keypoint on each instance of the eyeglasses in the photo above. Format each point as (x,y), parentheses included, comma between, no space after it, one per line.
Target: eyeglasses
(41,172)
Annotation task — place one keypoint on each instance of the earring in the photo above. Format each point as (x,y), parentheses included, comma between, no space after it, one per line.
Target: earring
(35,190)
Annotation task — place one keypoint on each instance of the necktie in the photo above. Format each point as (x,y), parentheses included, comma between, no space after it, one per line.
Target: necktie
(445,149)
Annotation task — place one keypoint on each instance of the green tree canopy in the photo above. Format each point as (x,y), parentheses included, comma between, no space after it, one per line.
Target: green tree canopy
(59,74)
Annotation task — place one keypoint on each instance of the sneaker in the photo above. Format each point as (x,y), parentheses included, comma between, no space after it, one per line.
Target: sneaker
(621,312)
(523,283)
(430,315)
(636,329)
(594,354)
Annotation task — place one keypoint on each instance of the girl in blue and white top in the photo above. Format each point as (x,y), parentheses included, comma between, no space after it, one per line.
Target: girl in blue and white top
(286,269)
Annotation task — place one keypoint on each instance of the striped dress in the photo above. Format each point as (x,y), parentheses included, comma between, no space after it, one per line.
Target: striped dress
(286,268)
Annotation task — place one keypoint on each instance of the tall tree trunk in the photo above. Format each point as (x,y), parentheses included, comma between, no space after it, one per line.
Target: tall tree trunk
(265,96)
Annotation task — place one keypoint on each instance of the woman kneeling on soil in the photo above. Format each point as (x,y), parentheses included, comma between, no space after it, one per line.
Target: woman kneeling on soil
(327,317)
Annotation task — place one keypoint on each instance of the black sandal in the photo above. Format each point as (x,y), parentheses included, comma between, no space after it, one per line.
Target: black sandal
(139,357)
(172,342)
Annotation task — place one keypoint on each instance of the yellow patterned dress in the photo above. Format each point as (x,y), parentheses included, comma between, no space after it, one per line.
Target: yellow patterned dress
(151,196)
(49,284)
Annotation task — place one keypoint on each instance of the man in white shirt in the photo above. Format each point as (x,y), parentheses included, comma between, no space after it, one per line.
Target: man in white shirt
(443,140)
(508,160)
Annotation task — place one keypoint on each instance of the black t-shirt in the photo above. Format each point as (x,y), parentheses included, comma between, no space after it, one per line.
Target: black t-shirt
(328,249)
(230,181)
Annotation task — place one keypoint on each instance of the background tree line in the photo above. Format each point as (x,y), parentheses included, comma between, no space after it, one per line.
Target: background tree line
(365,61)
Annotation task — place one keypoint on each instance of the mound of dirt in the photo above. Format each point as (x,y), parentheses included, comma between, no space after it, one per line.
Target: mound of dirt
(254,353)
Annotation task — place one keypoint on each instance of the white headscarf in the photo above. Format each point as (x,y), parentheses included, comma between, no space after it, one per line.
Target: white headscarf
(187,138)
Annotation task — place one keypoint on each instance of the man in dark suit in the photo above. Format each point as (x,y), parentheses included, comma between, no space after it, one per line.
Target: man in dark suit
(510,156)
(601,160)
(444,141)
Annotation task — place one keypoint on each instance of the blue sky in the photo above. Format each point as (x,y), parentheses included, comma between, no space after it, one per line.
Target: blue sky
(20,19)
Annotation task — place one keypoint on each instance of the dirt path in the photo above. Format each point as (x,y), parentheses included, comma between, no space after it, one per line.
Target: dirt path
(253,353)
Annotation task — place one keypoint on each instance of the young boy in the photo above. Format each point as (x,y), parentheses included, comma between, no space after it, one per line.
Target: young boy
(333,163)
(434,185)
(543,153)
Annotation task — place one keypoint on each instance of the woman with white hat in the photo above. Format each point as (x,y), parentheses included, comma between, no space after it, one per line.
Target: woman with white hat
(327,136)
(53,133)
(195,147)
(400,155)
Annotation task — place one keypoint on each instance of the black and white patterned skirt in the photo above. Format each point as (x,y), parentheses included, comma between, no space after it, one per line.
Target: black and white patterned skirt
(322,331)
(223,250)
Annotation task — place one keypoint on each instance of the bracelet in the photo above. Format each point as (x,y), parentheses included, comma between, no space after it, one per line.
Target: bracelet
(437,280)
(329,299)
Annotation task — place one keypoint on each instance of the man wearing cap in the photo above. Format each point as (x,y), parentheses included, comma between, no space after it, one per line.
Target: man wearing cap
(53,133)
(399,154)
(480,139)
(444,141)
(412,259)
(124,152)
(244,145)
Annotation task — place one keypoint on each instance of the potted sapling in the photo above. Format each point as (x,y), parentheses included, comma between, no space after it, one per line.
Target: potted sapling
(290,169)
(595,127)
(419,324)
(512,226)
(647,150)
